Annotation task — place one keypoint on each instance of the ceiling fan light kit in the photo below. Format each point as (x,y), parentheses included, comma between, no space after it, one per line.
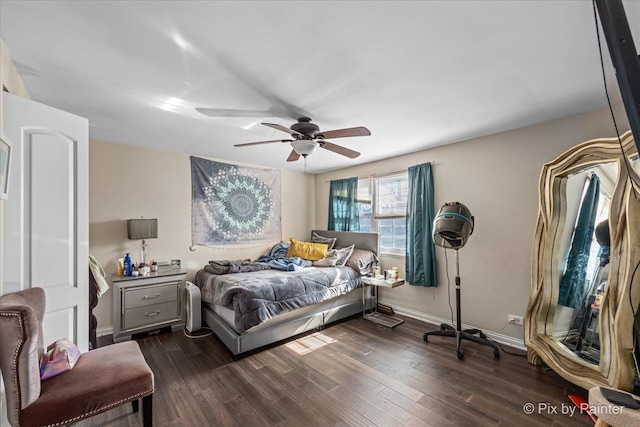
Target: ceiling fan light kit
(304,147)
(307,137)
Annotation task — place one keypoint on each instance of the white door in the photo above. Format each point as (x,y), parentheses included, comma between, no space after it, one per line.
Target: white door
(45,227)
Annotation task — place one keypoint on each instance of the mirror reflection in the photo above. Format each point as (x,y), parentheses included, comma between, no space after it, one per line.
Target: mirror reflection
(584,259)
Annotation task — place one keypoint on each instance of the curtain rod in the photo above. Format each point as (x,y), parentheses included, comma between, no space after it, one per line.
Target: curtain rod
(378,175)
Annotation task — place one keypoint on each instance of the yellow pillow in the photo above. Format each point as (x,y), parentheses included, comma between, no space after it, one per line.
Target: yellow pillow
(307,250)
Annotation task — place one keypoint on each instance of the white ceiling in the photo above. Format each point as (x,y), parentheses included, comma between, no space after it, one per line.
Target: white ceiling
(417,74)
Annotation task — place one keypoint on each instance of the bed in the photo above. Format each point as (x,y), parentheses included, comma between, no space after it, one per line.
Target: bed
(241,334)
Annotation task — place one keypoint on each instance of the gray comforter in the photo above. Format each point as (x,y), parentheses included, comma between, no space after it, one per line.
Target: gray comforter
(230,267)
(258,296)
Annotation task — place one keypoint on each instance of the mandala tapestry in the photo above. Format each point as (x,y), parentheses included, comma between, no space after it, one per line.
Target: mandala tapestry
(234,204)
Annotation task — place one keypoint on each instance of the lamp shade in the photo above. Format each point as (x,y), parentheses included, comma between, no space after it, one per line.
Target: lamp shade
(304,147)
(142,229)
(452,226)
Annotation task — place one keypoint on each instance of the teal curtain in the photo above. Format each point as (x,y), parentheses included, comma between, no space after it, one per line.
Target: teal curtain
(343,206)
(420,258)
(573,280)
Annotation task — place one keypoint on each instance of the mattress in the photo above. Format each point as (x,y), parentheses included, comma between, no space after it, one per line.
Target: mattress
(228,315)
(259,296)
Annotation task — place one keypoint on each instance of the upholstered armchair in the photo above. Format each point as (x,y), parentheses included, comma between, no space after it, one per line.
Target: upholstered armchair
(611,414)
(101,379)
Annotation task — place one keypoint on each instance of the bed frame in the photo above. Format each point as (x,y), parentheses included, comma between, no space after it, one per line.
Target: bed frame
(295,324)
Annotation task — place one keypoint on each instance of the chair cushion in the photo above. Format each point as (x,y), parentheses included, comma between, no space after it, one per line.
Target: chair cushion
(611,413)
(102,379)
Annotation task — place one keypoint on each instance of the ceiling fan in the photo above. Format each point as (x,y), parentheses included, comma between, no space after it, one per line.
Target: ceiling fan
(307,137)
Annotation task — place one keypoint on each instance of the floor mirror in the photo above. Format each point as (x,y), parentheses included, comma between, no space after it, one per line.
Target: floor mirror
(579,320)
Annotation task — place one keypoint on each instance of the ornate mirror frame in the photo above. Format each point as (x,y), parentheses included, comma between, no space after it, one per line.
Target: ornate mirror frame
(616,367)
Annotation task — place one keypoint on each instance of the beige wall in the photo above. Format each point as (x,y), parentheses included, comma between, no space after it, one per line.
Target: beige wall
(10,81)
(497,178)
(10,78)
(128,182)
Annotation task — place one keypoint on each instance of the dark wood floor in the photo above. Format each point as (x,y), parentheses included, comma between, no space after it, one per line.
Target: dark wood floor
(350,374)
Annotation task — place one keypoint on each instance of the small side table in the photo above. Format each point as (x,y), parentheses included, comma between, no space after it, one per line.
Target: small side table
(375,317)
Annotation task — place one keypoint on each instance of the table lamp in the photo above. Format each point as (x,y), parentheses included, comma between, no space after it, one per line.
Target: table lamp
(142,229)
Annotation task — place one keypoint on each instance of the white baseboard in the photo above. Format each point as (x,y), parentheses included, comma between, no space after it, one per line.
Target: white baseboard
(434,320)
(100,332)
(427,318)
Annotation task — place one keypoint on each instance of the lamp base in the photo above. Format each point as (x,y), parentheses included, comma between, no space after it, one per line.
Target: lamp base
(143,252)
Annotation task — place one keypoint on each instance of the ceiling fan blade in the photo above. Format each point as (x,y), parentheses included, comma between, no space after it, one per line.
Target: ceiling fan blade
(230,112)
(293,156)
(343,133)
(282,128)
(262,142)
(250,78)
(338,149)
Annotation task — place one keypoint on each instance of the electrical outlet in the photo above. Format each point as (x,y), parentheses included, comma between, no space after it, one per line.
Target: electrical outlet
(518,320)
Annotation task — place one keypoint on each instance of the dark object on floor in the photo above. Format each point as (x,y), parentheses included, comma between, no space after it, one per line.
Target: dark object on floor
(101,380)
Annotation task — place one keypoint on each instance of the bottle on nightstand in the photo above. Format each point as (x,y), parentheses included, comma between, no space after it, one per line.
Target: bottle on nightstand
(376,271)
(127,265)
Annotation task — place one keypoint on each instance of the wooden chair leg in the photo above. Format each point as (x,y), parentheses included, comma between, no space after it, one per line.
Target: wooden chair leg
(135,405)
(147,411)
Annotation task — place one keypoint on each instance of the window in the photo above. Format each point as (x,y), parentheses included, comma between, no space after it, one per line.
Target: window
(382,207)
(602,214)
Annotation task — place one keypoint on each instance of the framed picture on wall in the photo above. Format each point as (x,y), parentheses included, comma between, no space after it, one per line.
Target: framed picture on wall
(5,159)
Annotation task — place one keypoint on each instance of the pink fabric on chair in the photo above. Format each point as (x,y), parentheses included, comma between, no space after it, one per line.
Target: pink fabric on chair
(60,357)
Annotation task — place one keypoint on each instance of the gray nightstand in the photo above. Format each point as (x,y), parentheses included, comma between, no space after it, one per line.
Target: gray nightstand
(145,303)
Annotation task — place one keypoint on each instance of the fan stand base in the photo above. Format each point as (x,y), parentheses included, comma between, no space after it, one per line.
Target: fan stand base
(458,333)
(468,334)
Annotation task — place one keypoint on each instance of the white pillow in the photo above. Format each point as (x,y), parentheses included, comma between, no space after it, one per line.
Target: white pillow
(344,254)
(329,260)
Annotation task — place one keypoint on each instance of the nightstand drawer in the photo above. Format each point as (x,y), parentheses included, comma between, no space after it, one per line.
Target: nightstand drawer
(150,315)
(150,295)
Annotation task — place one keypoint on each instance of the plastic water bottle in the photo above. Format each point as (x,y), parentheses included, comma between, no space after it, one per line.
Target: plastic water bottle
(600,294)
(128,265)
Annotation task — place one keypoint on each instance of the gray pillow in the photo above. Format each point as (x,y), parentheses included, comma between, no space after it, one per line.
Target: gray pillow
(362,261)
(329,260)
(329,241)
